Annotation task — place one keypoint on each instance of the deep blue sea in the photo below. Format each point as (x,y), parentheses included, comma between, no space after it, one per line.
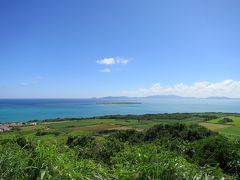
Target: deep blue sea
(39,109)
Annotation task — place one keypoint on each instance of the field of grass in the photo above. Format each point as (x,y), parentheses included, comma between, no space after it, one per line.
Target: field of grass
(60,130)
(231,132)
(215,127)
(236,120)
(228,129)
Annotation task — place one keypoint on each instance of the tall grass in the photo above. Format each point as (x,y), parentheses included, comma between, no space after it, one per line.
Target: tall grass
(47,162)
(150,161)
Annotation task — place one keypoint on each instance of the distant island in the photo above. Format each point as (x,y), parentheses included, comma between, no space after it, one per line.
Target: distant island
(116,98)
(118,103)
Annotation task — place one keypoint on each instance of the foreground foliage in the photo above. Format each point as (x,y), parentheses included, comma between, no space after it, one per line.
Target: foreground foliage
(47,161)
(165,151)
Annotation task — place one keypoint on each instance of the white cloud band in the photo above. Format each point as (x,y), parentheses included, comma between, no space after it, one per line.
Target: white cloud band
(227,88)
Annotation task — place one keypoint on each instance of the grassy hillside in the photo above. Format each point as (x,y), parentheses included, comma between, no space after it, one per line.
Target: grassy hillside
(161,146)
(235,120)
(225,124)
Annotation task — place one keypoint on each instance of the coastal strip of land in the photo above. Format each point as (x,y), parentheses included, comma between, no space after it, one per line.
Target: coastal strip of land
(78,126)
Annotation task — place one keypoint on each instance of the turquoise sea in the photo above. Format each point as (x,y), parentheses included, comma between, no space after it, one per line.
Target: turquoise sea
(39,109)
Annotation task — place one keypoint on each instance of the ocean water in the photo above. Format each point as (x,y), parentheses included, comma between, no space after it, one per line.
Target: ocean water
(38,109)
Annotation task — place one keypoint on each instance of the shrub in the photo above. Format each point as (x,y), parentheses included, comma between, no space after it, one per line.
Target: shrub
(81,141)
(182,131)
(41,132)
(225,120)
(131,135)
(217,151)
(101,151)
(23,143)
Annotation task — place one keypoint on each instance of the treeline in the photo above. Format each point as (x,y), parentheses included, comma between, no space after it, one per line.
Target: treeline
(165,116)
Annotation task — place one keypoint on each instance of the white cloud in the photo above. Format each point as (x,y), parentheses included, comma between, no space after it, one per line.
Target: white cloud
(106,70)
(112,61)
(228,88)
(106,61)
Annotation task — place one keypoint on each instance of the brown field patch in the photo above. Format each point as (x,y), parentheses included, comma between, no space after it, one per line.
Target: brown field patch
(97,127)
(121,128)
(53,122)
(214,126)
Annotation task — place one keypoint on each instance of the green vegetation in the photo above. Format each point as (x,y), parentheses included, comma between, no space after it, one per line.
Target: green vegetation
(233,120)
(161,146)
(225,120)
(226,124)
(230,132)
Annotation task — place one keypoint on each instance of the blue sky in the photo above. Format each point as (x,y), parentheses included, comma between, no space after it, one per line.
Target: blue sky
(60,48)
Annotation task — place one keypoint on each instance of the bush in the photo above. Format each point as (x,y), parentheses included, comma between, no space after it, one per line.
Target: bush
(41,132)
(81,141)
(131,135)
(164,132)
(101,151)
(182,131)
(23,143)
(225,120)
(217,151)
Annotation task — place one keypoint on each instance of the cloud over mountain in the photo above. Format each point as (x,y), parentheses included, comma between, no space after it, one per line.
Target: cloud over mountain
(228,88)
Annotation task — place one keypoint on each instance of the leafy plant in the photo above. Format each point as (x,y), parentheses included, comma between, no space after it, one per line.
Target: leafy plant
(218,151)
(149,161)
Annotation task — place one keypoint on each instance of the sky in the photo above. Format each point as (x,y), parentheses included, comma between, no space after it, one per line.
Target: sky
(93,48)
